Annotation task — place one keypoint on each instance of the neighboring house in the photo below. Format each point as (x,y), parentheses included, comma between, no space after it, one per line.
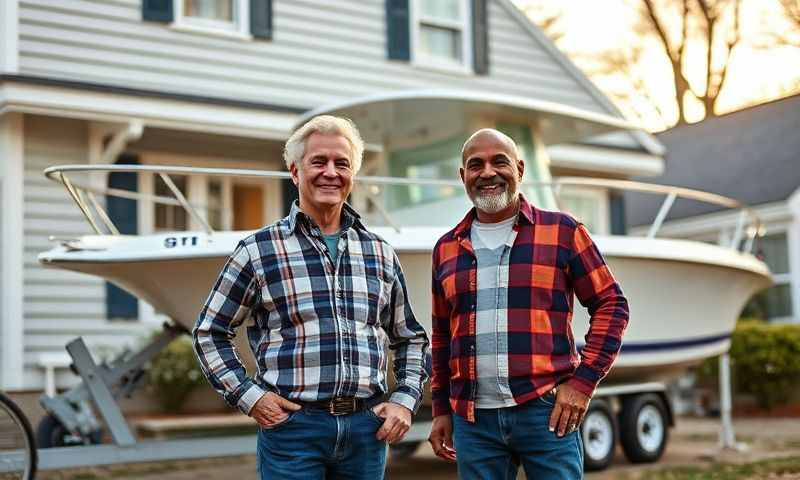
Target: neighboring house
(753,156)
(190,82)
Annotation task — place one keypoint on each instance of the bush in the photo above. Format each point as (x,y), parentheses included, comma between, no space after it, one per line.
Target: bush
(174,373)
(765,362)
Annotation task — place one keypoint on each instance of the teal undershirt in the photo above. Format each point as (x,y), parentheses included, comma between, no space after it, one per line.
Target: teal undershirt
(332,241)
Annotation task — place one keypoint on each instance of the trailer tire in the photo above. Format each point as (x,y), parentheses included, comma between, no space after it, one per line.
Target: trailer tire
(644,427)
(599,435)
(51,433)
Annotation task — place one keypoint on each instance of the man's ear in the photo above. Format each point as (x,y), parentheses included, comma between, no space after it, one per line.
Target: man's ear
(461,173)
(521,168)
(295,175)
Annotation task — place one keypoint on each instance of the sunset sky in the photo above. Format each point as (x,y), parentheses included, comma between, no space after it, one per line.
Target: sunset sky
(592,26)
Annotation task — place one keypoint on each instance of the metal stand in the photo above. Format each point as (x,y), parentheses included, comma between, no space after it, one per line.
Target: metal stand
(727,437)
(103,384)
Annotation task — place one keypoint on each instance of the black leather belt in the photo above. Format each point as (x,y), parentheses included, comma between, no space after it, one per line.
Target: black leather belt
(342,405)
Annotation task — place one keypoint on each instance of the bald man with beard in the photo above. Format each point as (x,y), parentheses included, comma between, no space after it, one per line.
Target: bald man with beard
(508,384)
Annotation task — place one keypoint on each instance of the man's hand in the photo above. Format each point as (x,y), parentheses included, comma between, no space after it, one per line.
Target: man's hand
(396,421)
(441,438)
(569,410)
(272,409)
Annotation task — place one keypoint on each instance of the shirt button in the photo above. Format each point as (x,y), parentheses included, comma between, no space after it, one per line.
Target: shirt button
(472,348)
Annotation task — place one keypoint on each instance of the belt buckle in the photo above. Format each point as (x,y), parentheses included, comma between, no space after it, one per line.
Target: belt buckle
(342,406)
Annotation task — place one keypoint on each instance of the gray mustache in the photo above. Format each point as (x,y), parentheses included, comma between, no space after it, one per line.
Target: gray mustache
(489,183)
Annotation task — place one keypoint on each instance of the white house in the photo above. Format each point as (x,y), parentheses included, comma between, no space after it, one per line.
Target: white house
(751,155)
(191,82)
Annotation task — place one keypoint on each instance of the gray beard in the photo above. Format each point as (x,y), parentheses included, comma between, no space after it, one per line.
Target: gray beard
(493,203)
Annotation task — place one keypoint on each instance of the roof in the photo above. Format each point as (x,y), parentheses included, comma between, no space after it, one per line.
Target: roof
(751,155)
(633,140)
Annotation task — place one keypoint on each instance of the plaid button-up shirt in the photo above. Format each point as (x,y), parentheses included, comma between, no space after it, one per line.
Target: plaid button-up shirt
(318,329)
(552,257)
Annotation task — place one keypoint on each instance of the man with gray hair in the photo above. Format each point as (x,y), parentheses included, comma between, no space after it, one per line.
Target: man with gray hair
(323,293)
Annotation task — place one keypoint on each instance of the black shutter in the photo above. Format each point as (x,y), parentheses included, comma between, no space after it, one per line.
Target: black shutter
(398,30)
(617,206)
(157,10)
(480,37)
(123,212)
(289,194)
(261,19)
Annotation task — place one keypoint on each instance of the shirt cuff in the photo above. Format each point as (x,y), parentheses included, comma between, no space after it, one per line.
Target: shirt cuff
(584,380)
(249,398)
(441,406)
(406,399)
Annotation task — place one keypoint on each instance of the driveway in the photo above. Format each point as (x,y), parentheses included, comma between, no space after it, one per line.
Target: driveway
(693,442)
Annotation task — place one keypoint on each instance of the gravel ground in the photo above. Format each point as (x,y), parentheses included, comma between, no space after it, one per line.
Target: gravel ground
(693,442)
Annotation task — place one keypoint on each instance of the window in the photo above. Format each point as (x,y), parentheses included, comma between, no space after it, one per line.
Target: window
(170,217)
(439,160)
(213,16)
(441,34)
(774,303)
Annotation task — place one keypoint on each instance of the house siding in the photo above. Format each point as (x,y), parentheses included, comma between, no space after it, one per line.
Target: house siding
(321,52)
(58,305)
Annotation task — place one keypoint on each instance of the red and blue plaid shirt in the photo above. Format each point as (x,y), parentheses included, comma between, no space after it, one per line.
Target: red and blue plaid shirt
(552,257)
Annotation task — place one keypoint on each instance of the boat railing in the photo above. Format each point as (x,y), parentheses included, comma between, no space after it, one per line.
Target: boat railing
(748,225)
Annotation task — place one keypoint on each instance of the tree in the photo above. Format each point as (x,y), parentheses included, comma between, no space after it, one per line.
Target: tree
(712,25)
(791,12)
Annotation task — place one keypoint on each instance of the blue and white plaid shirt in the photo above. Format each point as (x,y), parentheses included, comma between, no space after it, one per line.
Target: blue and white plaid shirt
(318,329)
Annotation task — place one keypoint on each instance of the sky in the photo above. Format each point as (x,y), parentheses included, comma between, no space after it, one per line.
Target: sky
(756,74)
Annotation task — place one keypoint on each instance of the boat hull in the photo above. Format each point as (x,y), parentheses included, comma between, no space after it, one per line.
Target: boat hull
(684,296)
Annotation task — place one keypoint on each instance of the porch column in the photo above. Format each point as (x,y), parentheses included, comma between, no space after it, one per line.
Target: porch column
(11,250)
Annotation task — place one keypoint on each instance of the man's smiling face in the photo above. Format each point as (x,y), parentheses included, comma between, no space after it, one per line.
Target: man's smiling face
(324,177)
(491,172)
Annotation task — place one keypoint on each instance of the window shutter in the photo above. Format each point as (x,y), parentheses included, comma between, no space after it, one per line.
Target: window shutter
(157,10)
(261,19)
(398,30)
(617,207)
(123,212)
(480,37)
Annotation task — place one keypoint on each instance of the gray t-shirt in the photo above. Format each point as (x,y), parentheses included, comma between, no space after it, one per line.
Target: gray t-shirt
(492,245)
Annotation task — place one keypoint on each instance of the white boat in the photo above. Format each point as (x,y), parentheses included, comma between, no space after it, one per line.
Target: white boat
(685,296)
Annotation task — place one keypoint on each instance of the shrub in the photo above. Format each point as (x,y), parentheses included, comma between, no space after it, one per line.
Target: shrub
(765,362)
(174,373)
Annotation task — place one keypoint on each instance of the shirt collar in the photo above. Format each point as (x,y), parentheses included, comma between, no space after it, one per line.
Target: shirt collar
(527,213)
(350,218)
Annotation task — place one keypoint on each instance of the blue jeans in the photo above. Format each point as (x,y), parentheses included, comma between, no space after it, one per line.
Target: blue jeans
(313,444)
(491,447)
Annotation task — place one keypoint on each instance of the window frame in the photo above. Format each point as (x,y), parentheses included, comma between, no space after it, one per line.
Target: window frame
(440,64)
(239,28)
(781,279)
(598,197)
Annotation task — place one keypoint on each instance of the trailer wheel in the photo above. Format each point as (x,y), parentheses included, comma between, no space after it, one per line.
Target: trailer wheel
(51,433)
(404,450)
(643,427)
(599,435)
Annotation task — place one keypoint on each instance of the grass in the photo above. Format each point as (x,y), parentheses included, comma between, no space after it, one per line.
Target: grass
(774,468)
